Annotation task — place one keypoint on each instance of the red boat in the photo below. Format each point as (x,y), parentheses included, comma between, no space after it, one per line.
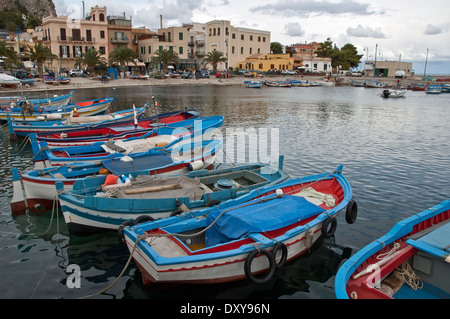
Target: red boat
(118,131)
(418,87)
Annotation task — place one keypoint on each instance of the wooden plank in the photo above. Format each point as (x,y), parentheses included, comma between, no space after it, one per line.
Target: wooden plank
(152,189)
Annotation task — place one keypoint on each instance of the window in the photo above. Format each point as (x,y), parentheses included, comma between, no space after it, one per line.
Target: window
(264,39)
(102,50)
(180,50)
(250,51)
(233,35)
(142,50)
(232,50)
(149,49)
(251,38)
(62,32)
(259,39)
(77,53)
(210,32)
(242,37)
(218,31)
(64,51)
(101,17)
(226,31)
(171,48)
(76,34)
(180,36)
(169,36)
(102,34)
(88,35)
(160,48)
(242,50)
(260,66)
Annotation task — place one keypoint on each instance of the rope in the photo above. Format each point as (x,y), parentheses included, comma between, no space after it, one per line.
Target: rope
(405,273)
(390,252)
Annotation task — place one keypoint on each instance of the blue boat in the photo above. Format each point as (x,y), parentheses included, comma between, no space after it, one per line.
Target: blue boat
(248,237)
(445,88)
(253,84)
(42,102)
(99,151)
(412,261)
(89,207)
(434,89)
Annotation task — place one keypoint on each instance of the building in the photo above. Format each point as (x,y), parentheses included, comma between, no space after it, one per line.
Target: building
(119,32)
(70,38)
(236,43)
(196,44)
(387,68)
(266,62)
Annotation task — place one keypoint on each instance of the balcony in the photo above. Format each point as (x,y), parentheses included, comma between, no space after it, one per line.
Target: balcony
(200,53)
(200,43)
(119,41)
(191,43)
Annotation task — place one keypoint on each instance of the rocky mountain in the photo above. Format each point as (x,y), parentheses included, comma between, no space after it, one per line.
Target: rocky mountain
(24,12)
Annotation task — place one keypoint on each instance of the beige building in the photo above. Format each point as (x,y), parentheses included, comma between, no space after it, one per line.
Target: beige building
(70,38)
(387,68)
(236,43)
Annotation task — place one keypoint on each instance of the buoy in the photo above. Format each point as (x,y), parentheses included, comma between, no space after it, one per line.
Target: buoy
(75,113)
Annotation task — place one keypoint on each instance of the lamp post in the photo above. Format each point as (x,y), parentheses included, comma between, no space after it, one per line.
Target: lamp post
(375,66)
(426,61)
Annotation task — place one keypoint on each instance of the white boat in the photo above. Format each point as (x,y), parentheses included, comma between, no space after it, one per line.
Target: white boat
(8,80)
(393,93)
(375,84)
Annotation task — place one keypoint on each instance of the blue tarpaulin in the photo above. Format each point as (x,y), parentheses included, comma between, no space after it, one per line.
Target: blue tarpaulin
(260,217)
(139,163)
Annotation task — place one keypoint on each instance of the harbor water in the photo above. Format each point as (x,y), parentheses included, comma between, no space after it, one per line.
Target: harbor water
(395,152)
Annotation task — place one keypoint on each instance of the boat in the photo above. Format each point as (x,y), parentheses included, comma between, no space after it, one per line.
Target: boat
(253,84)
(277,83)
(392,93)
(418,87)
(90,208)
(50,101)
(62,80)
(434,89)
(35,190)
(243,237)
(49,80)
(27,81)
(45,157)
(299,83)
(326,83)
(445,88)
(410,262)
(358,83)
(121,121)
(8,80)
(374,84)
(29,113)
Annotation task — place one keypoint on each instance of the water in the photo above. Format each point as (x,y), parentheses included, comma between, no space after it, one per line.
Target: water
(395,154)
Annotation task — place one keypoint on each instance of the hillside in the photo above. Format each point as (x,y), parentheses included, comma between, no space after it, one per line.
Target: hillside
(24,13)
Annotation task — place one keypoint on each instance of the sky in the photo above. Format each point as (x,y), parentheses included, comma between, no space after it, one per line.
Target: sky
(406,30)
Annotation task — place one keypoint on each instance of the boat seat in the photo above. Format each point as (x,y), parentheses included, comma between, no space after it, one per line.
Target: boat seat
(436,243)
(115,147)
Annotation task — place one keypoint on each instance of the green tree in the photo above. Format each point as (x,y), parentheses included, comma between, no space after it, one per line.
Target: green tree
(165,57)
(276,48)
(90,59)
(7,53)
(346,57)
(39,54)
(121,56)
(214,57)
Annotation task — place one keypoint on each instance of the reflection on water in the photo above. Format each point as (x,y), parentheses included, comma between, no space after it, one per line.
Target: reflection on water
(395,154)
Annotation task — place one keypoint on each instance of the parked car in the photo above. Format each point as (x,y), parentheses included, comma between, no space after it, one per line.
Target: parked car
(187,75)
(289,72)
(223,74)
(357,73)
(202,74)
(76,72)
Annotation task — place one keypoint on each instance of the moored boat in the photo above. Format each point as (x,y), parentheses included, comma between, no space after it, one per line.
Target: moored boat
(277,83)
(241,238)
(445,88)
(358,83)
(42,102)
(8,80)
(418,87)
(374,84)
(434,89)
(90,207)
(253,84)
(392,93)
(410,262)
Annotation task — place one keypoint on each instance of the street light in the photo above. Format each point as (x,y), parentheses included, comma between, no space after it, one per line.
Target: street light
(426,61)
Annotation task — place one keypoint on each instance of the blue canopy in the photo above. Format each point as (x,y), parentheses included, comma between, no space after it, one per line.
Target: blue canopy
(139,163)
(260,217)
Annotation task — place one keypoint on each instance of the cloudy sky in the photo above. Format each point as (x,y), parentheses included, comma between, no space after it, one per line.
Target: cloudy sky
(404,29)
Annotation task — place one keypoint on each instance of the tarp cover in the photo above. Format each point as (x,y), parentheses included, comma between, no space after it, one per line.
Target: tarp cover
(260,217)
(139,163)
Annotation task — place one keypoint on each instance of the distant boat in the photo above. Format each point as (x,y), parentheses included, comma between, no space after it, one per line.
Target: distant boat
(393,93)
(50,101)
(27,81)
(49,79)
(8,80)
(62,80)
(358,83)
(418,87)
(278,83)
(375,84)
(253,84)
(434,89)
(445,88)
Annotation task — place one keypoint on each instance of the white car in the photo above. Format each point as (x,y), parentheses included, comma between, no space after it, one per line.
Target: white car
(75,72)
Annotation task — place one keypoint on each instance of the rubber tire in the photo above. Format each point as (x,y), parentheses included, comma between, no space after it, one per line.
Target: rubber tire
(176,212)
(248,263)
(284,253)
(143,219)
(351,212)
(120,235)
(327,233)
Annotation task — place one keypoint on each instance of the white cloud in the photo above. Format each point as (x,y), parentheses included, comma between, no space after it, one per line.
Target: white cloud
(294,29)
(432,30)
(365,32)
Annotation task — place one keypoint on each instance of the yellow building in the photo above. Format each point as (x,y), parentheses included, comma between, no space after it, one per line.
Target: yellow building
(266,62)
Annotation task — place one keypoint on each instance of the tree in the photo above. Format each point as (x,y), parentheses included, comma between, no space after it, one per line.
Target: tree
(7,53)
(122,55)
(346,57)
(214,57)
(276,48)
(165,57)
(90,59)
(39,54)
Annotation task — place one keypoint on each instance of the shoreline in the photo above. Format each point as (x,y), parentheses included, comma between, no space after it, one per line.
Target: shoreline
(87,83)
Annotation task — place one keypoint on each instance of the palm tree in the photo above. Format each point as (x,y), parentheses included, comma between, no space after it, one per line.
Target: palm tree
(165,57)
(90,59)
(214,57)
(39,54)
(122,55)
(7,53)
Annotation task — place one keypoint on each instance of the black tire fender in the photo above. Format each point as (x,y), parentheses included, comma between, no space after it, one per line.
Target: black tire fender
(284,253)
(143,219)
(351,212)
(248,264)
(329,227)
(120,235)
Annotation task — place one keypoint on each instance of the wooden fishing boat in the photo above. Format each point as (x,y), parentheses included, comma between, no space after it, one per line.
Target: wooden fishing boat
(32,113)
(62,80)
(81,127)
(35,190)
(434,89)
(299,83)
(50,101)
(253,84)
(418,87)
(392,93)
(244,237)
(90,208)
(8,80)
(445,88)
(98,151)
(278,83)
(374,84)
(410,262)
(358,83)
(49,80)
